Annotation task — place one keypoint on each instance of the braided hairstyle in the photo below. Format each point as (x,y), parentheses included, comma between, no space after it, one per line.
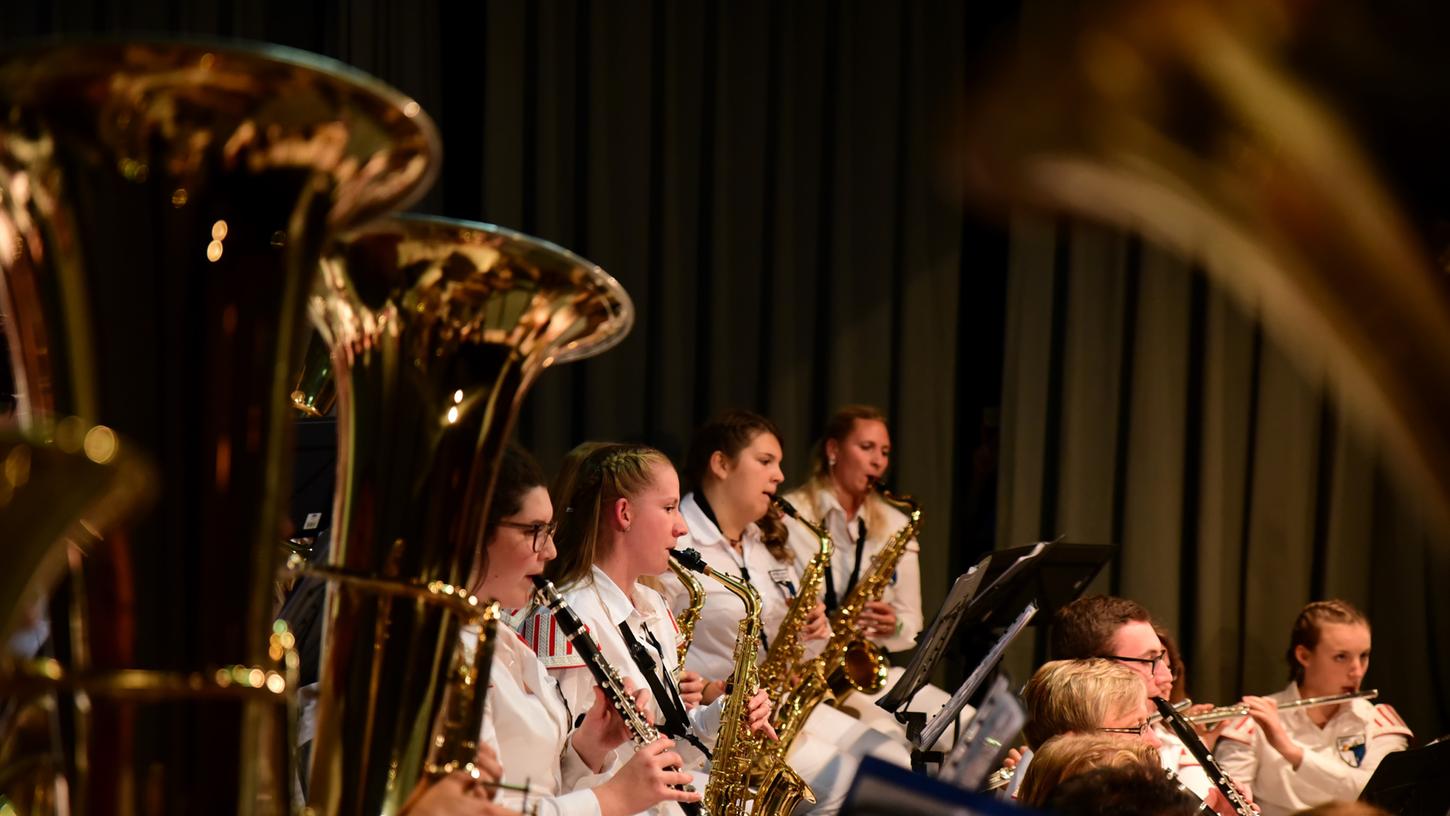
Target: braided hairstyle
(730,433)
(593,477)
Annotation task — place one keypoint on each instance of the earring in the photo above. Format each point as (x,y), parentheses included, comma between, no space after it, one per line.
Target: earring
(831,462)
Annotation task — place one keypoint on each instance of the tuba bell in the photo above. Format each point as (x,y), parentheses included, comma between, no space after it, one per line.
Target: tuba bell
(162,209)
(437,328)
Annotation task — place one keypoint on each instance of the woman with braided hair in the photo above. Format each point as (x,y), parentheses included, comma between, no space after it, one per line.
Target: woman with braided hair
(620,518)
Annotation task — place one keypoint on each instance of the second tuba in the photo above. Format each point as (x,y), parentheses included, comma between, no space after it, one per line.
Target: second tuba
(437,329)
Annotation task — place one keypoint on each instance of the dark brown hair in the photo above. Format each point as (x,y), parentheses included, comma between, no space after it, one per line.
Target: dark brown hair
(518,473)
(730,433)
(1085,627)
(593,477)
(1309,625)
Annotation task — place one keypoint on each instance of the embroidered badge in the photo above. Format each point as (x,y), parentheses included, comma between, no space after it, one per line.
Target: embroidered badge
(781,577)
(1351,749)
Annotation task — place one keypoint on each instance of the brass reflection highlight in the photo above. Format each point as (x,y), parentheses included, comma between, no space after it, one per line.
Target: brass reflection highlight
(438,328)
(120,164)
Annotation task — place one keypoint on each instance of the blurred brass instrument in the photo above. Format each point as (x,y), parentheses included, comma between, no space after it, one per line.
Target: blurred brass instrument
(58,489)
(455,744)
(437,328)
(858,662)
(162,209)
(314,392)
(1231,711)
(1256,137)
(728,791)
(689,617)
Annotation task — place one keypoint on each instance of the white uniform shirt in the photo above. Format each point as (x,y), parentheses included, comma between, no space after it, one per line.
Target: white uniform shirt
(712,652)
(883,520)
(1338,758)
(527,722)
(1175,757)
(602,606)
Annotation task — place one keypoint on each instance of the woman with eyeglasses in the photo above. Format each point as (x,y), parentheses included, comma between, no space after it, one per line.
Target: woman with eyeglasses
(1300,758)
(620,520)
(562,752)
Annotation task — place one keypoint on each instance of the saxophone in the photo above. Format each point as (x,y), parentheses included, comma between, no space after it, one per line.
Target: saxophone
(691,614)
(780,787)
(728,791)
(859,660)
(783,659)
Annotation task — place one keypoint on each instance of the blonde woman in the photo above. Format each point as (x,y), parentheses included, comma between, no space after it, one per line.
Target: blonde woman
(562,752)
(621,518)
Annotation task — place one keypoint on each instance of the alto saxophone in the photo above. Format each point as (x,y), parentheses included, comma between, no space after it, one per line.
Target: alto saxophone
(690,616)
(860,662)
(780,788)
(783,660)
(728,791)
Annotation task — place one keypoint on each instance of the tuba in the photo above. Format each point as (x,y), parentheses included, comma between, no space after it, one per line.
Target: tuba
(437,329)
(162,210)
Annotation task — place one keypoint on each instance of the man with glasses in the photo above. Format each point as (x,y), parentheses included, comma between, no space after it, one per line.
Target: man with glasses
(1122,631)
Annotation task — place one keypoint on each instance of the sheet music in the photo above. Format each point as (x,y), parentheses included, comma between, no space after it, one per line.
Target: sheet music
(938,725)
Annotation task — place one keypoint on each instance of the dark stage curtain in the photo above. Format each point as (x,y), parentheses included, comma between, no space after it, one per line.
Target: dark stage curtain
(773,184)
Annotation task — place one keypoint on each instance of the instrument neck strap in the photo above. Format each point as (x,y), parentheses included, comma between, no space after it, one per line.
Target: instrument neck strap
(676,724)
(860,548)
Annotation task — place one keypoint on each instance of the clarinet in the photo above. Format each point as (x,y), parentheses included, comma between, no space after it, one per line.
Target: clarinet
(605,675)
(1200,752)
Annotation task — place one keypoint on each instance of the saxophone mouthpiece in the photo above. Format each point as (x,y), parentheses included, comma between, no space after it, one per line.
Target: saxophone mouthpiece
(785,506)
(690,560)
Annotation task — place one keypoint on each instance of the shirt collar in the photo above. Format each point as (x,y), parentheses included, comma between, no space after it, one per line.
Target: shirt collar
(827,501)
(617,604)
(703,528)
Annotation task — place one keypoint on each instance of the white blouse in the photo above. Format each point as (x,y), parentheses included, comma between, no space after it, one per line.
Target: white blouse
(528,723)
(712,651)
(603,606)
(903,593)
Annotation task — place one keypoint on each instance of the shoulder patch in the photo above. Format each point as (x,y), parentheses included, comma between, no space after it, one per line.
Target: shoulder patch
(1240,730)
(541,633)
(1389,721)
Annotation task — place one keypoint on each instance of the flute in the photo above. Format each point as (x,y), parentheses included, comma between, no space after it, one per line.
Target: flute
(1230,711)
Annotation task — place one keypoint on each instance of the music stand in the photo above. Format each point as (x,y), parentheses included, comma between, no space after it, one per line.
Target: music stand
(1033,581)
(934,643)
(1411,782)
(883,789)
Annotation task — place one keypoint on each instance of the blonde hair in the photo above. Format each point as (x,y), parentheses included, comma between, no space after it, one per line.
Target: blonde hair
(1067,755)
(595,475)
(838,427)
(1078,695)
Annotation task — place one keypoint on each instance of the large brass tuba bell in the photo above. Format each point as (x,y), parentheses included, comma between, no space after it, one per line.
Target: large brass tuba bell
(437,329)
(162,210)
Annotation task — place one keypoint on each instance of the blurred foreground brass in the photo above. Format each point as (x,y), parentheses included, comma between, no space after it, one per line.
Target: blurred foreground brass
(1195,123)
(162,209)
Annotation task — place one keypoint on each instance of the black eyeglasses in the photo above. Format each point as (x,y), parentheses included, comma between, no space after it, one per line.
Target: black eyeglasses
(1135,730)
(1161,657)
(537,530)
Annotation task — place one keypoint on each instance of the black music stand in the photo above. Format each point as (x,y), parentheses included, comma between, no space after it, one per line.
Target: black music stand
(1026,584)
(883,789)
(1412,782)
